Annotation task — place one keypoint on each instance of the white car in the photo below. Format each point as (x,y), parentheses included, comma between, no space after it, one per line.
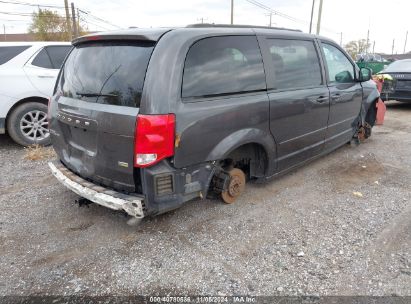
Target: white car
(28,72)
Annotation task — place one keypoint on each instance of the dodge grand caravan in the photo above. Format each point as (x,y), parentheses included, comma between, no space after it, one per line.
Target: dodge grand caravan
(145,120)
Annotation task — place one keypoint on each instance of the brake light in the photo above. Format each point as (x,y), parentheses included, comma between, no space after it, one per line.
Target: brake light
(95,37)
(154,139)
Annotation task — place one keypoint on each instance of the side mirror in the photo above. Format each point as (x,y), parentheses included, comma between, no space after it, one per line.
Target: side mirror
(365,74)
(344,77)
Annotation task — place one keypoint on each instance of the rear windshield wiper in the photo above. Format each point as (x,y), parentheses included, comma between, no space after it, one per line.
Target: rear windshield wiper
(95,94)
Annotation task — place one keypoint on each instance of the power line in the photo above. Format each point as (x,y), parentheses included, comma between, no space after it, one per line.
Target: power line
(31,4)
(89,22)
(275,12)
(59,7)
(15,20)
(16,14)
(30,15)
(98,18)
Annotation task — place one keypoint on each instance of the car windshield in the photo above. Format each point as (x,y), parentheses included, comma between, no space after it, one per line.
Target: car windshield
(399,66)
(106,72)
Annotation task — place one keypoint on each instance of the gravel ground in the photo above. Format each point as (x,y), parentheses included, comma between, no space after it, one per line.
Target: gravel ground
(303,234)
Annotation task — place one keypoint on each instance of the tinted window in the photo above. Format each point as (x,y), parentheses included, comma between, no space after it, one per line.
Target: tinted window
(340,69)
(115,71)
(9,52)
(296,63)
(57,54)
(223,65)
(42,60)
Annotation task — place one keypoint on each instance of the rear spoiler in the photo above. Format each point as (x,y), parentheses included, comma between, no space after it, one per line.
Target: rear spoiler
(130,35)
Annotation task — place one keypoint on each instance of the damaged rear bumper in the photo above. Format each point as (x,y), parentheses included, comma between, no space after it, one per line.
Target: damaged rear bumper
(132,205)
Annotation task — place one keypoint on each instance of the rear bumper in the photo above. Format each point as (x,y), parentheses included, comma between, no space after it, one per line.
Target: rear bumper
(132,205)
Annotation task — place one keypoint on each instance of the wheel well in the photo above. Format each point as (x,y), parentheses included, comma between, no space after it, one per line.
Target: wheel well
(24,100)
(371,114)
(251,158)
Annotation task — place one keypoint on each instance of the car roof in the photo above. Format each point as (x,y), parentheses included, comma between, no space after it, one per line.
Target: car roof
(154,34)
(34,43)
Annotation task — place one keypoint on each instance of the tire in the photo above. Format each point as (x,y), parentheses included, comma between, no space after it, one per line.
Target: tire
(27,124)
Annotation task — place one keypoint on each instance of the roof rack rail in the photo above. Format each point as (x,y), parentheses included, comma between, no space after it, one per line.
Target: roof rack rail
(201,25)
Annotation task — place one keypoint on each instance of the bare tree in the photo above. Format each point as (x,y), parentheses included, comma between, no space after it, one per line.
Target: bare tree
(356,47)
(47,25)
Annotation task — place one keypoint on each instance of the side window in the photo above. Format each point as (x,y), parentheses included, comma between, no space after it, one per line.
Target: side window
(9,52)
(340,69)
(223,65)
(42,60)
(57,54)
(296,63)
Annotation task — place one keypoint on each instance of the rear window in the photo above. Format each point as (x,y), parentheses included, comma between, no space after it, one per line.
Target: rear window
(223,65)
(106,72)
(9,52)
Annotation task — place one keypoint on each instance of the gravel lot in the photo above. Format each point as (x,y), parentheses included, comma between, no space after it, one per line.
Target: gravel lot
(304,233)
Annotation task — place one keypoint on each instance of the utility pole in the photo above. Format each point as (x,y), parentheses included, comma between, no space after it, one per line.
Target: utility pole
(368,41)
(320,9)
(232,11)
(4,31)
(271,16)
(312,15)
(405,44)
(78,21)
(373,47)
(68,23)
(73,16)
(341,39)
(392,50)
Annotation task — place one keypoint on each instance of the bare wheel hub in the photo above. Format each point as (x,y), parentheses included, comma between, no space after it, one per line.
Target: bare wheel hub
(235,186)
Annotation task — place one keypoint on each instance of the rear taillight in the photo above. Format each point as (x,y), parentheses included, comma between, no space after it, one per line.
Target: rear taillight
(154,139)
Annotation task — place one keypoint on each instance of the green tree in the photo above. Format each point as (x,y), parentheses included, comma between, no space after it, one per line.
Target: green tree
(48,25)
(356,47)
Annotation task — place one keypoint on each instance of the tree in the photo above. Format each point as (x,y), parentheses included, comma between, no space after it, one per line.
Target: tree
(47,25)
(356,47)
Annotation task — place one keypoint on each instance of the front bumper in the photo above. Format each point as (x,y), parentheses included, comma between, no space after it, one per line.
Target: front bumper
(132,205)
(397,95)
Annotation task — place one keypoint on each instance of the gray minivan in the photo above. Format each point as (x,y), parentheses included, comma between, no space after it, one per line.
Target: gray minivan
(143,120)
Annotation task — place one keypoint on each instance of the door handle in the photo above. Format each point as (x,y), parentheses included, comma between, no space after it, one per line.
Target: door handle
(45,76)
(322,99)
(336,96)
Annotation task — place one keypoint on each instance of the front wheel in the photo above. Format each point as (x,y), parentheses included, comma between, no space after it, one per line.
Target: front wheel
(28,125)
(365,130)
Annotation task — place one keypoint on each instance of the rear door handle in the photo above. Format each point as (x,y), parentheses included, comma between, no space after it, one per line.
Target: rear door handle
(336,96)
(322,99)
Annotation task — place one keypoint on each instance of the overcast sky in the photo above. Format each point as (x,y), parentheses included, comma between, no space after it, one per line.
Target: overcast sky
(387,20)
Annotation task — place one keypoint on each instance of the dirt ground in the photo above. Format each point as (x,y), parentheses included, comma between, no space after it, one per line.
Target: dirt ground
(302,234)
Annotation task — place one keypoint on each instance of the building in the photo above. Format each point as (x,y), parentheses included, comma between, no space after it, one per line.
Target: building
(17,37)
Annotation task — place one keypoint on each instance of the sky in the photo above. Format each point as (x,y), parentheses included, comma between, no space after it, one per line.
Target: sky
(386,20)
